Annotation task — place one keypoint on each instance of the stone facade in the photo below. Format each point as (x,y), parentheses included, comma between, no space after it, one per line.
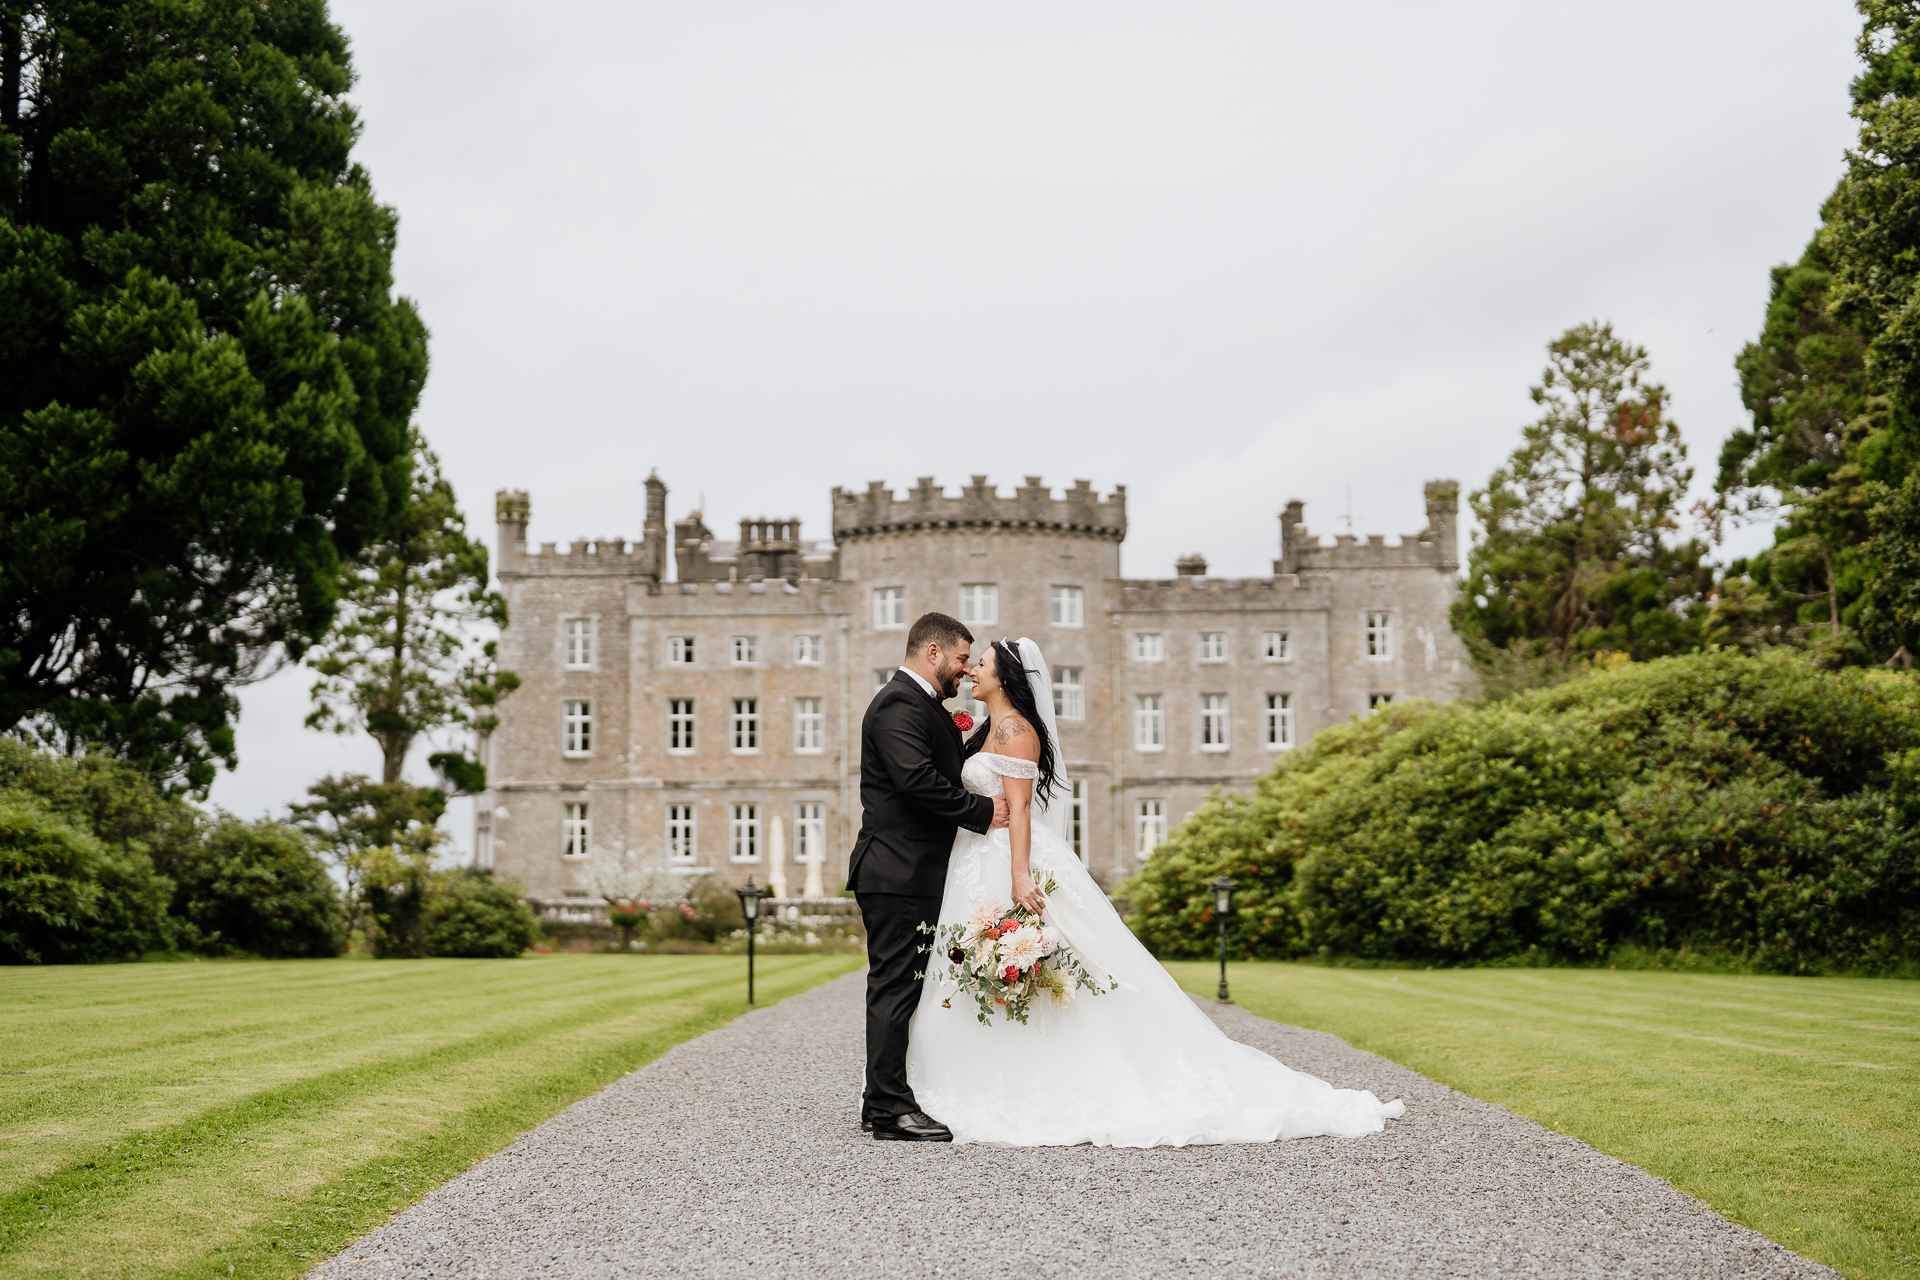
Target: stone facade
(692,719)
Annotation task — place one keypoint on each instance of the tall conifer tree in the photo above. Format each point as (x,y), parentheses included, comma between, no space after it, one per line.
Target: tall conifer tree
(1577,549)
(206,385)
(1871,236)
(1805,382)
(401,662)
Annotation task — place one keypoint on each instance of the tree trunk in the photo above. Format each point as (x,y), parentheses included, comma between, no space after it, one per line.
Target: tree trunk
(1833,588)
(13,21)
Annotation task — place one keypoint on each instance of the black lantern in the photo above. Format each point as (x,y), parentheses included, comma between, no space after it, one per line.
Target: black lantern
(750,908)
(1222,907)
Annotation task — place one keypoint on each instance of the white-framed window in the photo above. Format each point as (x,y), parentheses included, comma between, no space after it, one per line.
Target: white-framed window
(576,728)
(576,831)
(809,726)
(743,834)
(680,725)
(889,608)
(808,651)
(1213,646)
(979,604)
(882,677)
(1379,635)
(1066,607)
(1149,826)
(1149,723)
(1069,694)
(579,640)
(1279,727)
(746,726)
(809,832)
(1276,646)
(1377,700)
(1077,817)
(1149,646)
(1213,722)
(746,650)
(680,833)
(680,651)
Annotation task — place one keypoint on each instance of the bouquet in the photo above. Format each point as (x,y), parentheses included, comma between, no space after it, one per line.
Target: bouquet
(1005,957)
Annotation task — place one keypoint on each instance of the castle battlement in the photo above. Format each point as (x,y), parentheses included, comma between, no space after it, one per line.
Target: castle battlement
(979,506)
(1432,548)
(613,556)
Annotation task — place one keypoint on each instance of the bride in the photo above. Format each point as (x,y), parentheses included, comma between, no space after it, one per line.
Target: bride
(1139,1066)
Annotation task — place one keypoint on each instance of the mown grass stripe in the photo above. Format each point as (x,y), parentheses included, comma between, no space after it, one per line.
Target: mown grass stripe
(364,1196)
(1785,1103)
(40,1204)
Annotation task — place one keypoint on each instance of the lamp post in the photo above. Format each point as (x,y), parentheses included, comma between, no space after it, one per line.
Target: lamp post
(750,908)
(1222,904)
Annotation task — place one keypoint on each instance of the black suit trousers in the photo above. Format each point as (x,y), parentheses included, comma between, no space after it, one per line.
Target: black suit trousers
(894,958)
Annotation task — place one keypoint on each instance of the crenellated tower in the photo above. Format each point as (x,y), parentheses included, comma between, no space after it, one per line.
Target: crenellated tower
(1032,508)
(644,562)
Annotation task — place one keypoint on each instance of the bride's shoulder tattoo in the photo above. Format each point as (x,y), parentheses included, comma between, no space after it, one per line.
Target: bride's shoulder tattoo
(1009,730)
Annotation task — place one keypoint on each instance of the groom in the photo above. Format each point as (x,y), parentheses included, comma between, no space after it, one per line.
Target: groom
(911,804)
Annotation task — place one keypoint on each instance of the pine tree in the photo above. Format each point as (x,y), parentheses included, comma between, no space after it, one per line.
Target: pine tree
(1576,552)
(1805,382)
(206,385)
(1871,233)
(401,662)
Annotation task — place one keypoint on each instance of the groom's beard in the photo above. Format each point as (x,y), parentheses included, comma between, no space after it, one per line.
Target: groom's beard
(948,687)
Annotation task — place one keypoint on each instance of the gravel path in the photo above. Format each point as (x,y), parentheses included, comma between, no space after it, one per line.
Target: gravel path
(739,1154)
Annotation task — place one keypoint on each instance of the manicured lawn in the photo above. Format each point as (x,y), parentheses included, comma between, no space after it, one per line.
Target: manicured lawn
(252,1118)
(1789,1104)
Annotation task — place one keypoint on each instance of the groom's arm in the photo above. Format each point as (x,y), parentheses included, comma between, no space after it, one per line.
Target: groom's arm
(906,750)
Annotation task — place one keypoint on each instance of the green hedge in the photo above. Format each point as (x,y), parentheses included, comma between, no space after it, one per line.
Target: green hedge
(471,914)
(67,897)
(96,864)
(1757,806)
(257,888)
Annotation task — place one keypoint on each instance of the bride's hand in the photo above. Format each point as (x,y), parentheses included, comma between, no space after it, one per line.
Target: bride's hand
(1027,894)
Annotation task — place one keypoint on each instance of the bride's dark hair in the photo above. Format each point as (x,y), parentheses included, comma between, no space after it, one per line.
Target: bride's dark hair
(1019,690)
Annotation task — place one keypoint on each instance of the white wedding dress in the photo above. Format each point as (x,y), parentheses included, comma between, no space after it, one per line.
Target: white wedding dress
(1138,1067)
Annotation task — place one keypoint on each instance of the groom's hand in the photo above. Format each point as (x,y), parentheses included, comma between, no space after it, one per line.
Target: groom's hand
(999,812)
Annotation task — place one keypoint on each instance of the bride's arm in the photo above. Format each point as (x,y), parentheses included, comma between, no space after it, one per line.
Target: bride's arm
(1020,836)
(1013,738)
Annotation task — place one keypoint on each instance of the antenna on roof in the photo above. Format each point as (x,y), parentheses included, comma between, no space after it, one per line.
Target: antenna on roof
(1350,517)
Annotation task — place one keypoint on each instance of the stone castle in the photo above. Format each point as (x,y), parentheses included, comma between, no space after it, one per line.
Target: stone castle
(699,708)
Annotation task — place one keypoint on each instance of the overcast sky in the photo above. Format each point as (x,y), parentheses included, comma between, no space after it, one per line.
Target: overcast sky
(1223,253)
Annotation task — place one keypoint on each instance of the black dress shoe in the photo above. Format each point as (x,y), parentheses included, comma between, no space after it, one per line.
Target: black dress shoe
(915,1126)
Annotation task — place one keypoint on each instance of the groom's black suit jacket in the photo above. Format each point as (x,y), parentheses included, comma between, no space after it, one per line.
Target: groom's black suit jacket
(911,799)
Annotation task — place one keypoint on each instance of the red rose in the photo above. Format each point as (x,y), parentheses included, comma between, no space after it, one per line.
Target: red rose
(1011,975)
(962,721)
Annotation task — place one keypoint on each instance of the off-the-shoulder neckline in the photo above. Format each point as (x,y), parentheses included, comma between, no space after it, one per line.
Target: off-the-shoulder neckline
(1001,755)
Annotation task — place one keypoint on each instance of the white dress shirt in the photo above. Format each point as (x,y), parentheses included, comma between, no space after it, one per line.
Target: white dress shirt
(921,681)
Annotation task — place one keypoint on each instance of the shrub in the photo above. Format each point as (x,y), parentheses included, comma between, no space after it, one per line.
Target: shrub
(394,885)
(1761,806)
(711,911)
(65,896)
(256,887)
(469,913)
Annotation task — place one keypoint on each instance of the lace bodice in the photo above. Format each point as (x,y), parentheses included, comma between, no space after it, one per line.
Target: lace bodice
(983,774)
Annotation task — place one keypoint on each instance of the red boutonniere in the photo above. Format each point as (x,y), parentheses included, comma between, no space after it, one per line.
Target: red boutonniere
(962,721)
